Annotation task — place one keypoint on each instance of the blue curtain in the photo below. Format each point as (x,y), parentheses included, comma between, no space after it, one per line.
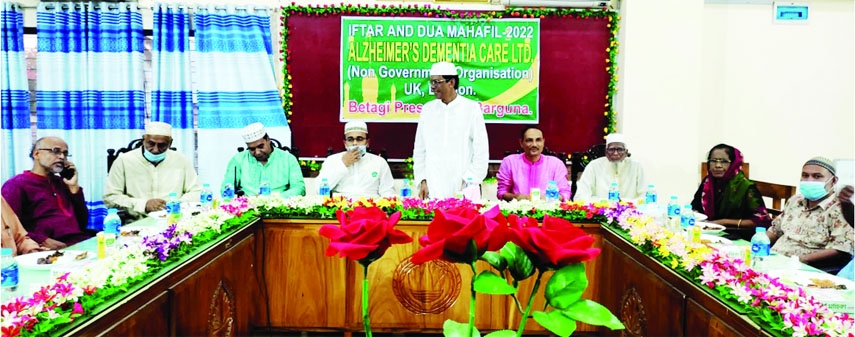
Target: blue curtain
(14,94)
(172,97)
(90,87)
(236,85)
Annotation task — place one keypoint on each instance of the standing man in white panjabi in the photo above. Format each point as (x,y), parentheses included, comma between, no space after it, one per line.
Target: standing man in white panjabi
(356,173)
(451,138)
(616,166)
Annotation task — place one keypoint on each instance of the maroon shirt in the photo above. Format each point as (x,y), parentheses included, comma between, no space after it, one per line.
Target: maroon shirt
(47,208)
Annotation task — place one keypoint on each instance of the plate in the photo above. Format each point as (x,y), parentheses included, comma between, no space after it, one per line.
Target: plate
(709,227)
(715,239)
(158,214)
(818,280)
(30,261)
(700,216)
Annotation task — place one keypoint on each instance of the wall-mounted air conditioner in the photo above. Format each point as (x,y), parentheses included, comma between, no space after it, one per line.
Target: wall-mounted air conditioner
(557,3)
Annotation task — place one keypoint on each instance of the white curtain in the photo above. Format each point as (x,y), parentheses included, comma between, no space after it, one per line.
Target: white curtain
(236,85)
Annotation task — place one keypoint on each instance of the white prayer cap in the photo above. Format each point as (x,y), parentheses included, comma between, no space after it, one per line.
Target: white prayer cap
(158,129)
(358,126)
(253,132)
(616,138)
(443,69)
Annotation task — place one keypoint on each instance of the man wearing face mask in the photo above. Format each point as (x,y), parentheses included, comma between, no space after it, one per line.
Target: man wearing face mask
(355,172)
(140,180)
(264,162)
(47,199)
(616,166)
(812,225)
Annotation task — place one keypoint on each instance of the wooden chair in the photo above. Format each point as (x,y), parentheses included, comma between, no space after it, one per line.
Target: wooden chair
(113,154)
(580,160)
(778,193)
(745,168)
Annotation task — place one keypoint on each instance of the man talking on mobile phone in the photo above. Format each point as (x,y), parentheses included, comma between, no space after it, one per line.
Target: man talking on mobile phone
(47,199)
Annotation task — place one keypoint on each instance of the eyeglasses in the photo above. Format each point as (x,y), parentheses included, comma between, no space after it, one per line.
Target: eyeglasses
(719,161)
(437,82)
(355,139)
(56,151)
(616,150)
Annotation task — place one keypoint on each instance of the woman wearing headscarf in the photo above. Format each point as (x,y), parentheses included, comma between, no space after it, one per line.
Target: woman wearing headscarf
(727,197)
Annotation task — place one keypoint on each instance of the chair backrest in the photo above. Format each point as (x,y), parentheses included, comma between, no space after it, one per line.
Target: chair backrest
(778,193)
(112,154)
(704,166)
(276,143)
(580,160)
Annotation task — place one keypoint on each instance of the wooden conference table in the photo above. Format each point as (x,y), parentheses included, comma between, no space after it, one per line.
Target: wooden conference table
(275,271)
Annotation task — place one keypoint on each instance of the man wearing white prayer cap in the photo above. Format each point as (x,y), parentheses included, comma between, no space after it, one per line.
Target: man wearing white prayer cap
(617,167)
(354,172)
(263,162)
(141,180)
(451,144)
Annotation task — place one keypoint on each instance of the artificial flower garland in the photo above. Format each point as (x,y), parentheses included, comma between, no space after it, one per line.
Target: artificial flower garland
(780,309)
(436,12)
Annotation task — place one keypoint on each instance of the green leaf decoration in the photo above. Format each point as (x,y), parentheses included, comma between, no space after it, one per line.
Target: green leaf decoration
(519,264)
(453,329)
(496,260)
(488,282)
(556,322)
(565,287)
(502,333)
(593,313)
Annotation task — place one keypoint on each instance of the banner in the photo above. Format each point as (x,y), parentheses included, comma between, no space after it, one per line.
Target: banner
(385,66)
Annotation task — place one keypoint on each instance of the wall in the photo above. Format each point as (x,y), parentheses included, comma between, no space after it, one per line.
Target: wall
(694,75)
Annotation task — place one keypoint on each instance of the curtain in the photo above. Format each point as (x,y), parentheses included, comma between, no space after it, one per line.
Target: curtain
(14,94)
(236,84)
(90,86)
(171,97)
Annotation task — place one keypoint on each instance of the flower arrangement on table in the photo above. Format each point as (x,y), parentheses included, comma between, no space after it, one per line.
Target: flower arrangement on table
(782,310)
(418,209)
(77,293)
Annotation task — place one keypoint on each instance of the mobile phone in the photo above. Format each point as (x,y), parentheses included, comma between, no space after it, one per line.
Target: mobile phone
(67,173)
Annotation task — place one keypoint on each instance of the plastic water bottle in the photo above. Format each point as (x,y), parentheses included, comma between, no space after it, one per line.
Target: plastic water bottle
(9,277)
(406,189)
(552,193)
(173,209)
(614,192)
(324,189)
(264,190)
(112,222)
(674,214)
(651,197)
(760,246)
(206,198)
(687,217)
(228,193)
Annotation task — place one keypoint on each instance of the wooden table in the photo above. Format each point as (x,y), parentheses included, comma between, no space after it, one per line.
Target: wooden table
(225,288)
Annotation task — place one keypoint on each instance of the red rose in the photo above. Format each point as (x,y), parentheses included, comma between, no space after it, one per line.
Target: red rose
(451,231)
(363,233)
(555,244)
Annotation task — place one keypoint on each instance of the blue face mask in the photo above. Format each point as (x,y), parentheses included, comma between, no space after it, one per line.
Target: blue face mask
(813,190)
(154,158)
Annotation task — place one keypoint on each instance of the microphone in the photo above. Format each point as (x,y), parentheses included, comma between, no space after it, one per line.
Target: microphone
(238,191)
